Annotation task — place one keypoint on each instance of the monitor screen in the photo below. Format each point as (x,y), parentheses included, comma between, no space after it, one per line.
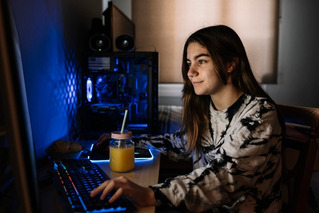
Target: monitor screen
(16,128)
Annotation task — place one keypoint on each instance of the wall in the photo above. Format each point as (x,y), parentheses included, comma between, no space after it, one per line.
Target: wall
(298,67)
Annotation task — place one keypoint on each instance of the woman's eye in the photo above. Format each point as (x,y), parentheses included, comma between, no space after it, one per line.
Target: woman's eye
(202,61)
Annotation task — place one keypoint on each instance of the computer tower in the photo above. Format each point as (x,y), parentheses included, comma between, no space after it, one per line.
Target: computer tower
(116,81)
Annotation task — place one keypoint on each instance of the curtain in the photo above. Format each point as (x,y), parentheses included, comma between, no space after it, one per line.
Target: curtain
(164,25)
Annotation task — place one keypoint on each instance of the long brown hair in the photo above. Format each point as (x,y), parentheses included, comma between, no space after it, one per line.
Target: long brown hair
(224,46)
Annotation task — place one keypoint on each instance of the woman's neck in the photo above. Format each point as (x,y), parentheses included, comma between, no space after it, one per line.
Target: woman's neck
(225,98)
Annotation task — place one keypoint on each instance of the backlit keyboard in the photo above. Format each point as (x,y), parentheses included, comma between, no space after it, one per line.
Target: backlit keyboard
(75,178)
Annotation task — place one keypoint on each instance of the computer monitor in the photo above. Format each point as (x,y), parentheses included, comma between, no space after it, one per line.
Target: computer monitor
(17,127)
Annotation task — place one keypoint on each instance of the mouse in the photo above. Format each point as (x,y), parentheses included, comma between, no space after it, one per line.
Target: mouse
(101,146)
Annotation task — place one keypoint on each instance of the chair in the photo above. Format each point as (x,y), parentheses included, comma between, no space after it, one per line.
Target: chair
(299,154)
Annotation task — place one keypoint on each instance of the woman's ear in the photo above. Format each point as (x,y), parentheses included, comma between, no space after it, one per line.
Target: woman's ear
(231,66)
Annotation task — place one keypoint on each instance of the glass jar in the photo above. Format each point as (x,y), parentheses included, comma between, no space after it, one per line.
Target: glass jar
(121,150)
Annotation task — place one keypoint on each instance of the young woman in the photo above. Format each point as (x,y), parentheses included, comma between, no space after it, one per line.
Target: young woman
(231,129)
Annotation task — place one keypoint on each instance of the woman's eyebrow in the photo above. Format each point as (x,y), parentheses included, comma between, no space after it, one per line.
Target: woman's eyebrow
(199,55)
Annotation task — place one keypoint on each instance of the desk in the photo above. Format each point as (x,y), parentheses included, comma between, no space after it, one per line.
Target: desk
(145,173)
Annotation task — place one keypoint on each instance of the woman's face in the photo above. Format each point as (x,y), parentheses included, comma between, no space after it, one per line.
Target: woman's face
(202,73)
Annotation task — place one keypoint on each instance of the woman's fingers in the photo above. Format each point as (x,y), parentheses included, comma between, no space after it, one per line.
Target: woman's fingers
(99,189)
(122,186)
(108,188)
(116,195)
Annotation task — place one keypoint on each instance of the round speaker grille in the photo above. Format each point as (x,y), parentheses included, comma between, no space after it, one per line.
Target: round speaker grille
(124,43)
(99,43)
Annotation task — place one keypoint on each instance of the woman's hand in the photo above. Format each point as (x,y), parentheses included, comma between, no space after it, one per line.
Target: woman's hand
(144,196)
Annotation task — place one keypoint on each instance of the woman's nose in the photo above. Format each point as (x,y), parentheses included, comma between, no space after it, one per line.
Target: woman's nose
(192,72)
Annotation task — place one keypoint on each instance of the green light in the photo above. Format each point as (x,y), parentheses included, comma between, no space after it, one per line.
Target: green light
(99,49)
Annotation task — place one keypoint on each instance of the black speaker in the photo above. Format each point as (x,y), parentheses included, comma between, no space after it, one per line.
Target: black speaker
(125,43)
(99,43)
(99,38)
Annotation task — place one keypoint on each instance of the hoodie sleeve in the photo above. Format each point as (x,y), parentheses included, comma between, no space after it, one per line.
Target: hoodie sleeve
(173,145)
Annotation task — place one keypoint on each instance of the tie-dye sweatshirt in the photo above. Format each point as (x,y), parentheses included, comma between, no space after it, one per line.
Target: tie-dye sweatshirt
(238,165)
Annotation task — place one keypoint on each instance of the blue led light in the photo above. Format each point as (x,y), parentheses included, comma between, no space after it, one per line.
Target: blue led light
(112,209)
(89,89)
(116,69)
(136,160)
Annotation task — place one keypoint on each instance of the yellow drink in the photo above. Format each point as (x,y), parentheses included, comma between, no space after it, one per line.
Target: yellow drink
(121,158)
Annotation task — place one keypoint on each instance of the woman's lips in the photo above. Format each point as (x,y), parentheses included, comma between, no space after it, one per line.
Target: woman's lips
(195,83)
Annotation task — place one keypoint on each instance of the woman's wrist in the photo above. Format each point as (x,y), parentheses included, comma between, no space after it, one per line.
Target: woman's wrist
(151,201)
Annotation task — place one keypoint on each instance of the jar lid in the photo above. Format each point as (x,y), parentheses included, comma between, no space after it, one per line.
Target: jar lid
(123,135)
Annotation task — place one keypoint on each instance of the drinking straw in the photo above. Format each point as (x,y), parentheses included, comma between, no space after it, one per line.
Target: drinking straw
(124,120)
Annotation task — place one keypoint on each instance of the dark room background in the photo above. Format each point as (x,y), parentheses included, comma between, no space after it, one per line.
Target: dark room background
(53,34)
